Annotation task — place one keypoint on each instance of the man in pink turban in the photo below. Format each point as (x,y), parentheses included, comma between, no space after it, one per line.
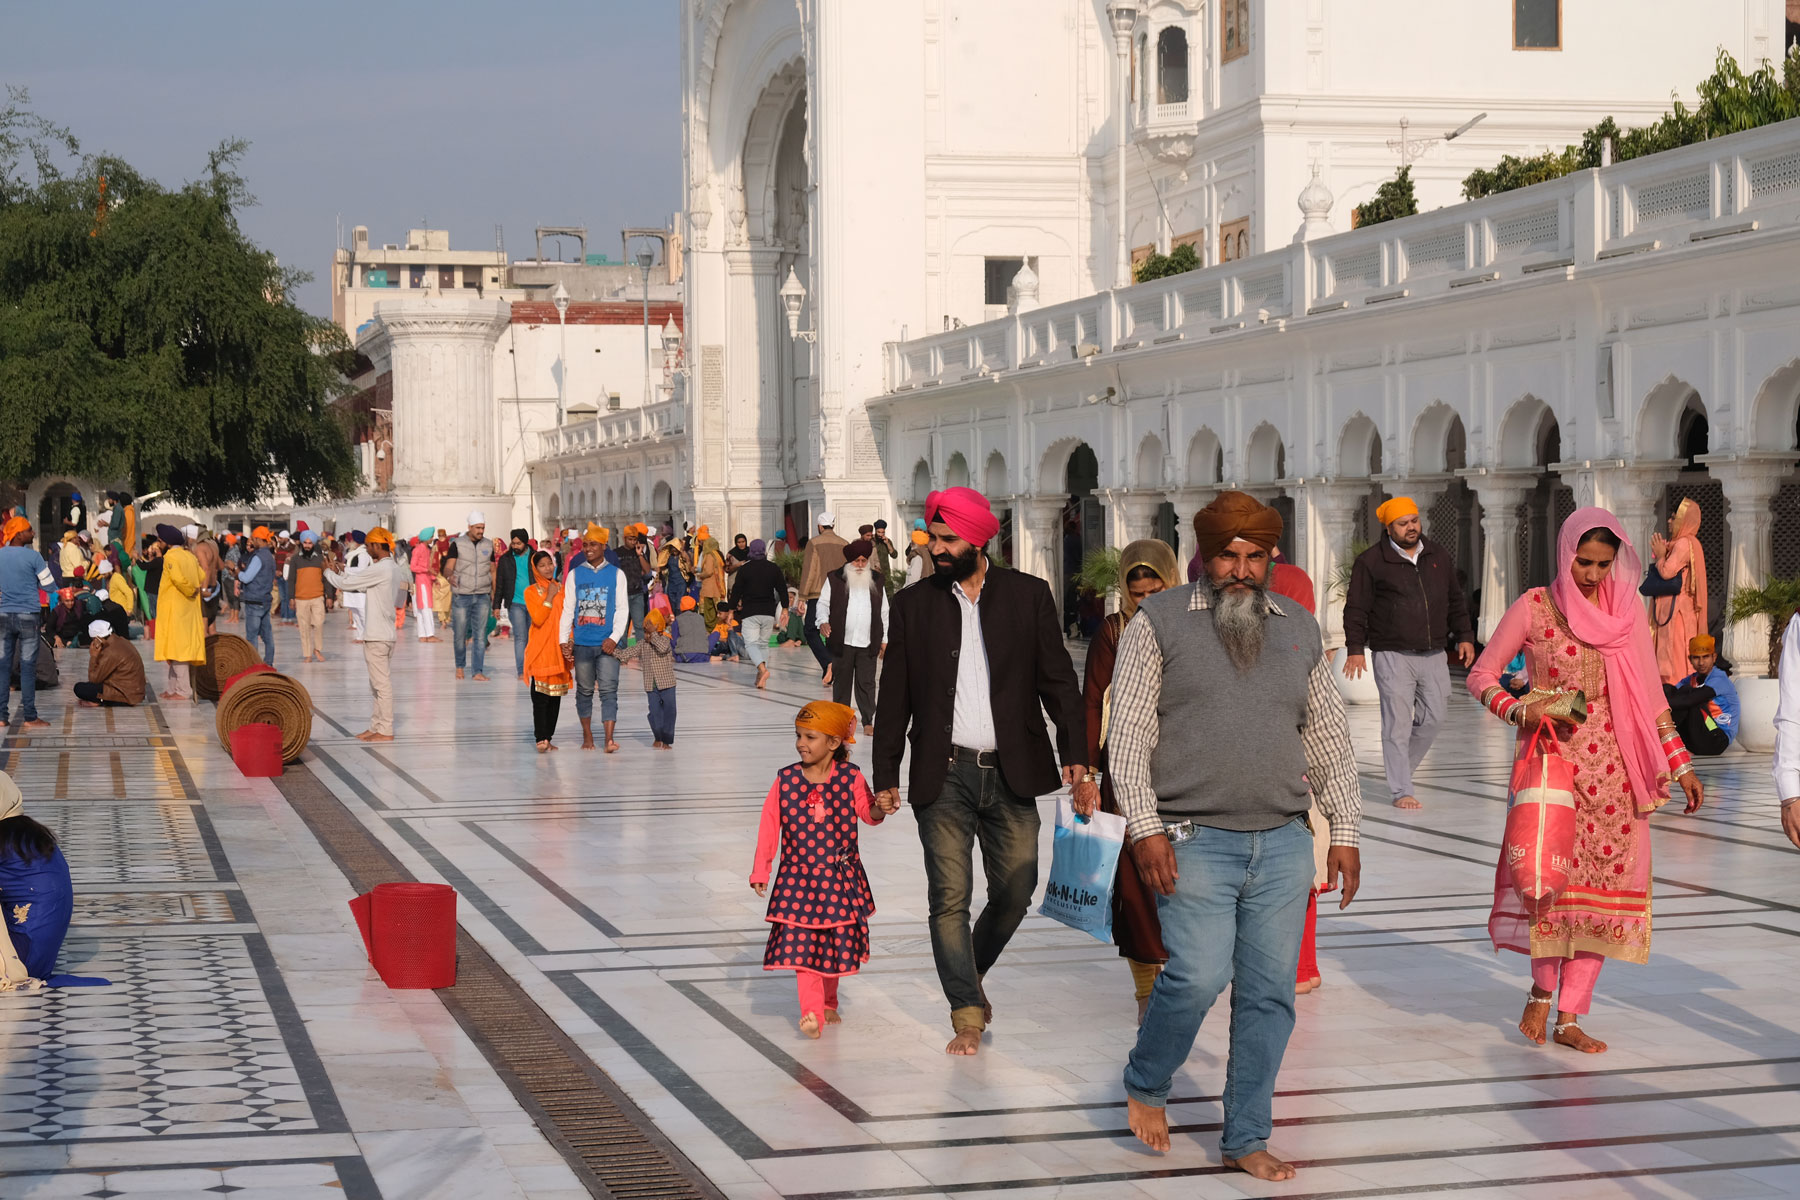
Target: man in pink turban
(966,512)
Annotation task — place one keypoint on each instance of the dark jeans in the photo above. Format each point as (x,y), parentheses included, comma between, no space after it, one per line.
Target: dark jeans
(520,616)
(544,711)
(637,603)
(814,641)
(91,693)
(19,643)
(662,714)
(855,665)
(256,623)
(975,805)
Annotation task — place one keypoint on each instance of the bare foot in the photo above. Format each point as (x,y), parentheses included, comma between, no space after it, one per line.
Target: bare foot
(1537,1017)
(612,747)
(381,737)
(480,678)
(987,1009)
(809,1025)
(89,704)
(543,747)
(459,673)
(1308,985)
(762,676)
(365,735)
(553,746)
(965,1044)
(1151,1125)
(868,731)
(587,743)
(1401,802)
(827,678)
(832,1018)
(34,723)
(1569,1034)
(1262,1165)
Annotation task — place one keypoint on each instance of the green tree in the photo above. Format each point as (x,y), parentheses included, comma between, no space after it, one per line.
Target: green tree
(144,338)
(1730,102)
(1181,259)
(1391,200)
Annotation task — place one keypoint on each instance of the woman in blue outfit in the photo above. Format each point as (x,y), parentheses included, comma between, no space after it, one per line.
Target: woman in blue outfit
(36,899)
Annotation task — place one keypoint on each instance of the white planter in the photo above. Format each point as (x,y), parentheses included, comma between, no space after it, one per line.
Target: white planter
(1757,697)
(1360,690)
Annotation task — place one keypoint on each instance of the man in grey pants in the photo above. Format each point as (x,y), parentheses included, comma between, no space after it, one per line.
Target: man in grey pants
(1403,605)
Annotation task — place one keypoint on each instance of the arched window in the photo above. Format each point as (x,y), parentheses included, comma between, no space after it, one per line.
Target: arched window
(1171,66)
(1243,245)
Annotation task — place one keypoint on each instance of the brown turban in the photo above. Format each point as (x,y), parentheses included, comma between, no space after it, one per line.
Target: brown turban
(1235,515)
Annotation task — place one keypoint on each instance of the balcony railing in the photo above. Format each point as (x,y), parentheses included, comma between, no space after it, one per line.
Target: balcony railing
(1690,197)
(652,422)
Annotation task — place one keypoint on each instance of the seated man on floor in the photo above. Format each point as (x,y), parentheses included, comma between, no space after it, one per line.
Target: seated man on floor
(115,670)
(1705,704)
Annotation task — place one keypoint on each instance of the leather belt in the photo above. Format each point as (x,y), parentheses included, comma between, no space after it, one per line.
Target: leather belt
(981,758)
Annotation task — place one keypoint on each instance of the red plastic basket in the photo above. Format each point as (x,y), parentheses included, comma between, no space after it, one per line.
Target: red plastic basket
(409,930)
(256,749)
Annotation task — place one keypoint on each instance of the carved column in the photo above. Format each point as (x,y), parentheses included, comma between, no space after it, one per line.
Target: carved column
(1749,487)
(1500,497)
(1187,502)
(1331,509)
(1037,548)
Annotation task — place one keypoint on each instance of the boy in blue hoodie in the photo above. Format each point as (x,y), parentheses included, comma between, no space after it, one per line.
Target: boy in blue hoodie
(594,616)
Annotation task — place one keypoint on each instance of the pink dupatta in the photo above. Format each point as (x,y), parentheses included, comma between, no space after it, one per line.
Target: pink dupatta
(1615,626)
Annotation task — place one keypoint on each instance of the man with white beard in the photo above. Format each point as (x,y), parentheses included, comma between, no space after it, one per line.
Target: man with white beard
(854,602)
(1216,814)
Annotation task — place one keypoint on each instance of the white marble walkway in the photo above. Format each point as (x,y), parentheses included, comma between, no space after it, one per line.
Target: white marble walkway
(614,889)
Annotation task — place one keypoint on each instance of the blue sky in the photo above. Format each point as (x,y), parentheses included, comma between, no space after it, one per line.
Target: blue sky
(387,112)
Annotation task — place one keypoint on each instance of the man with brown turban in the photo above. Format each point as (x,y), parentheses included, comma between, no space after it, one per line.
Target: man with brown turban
(1222,838)
(1403,605)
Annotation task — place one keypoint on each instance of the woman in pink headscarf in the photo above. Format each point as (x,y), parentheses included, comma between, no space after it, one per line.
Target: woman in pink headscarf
(1681,617)
(1586,631)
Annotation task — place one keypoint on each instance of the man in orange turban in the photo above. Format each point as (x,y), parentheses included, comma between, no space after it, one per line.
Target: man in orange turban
(23,572)
(1403,604)
(1705,702)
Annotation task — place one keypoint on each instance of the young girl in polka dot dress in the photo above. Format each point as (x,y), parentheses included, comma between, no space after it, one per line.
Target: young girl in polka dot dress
(820,905)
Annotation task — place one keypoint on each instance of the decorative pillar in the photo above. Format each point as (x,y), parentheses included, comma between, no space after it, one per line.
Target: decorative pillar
(1500,497)
(1631,494)
(1037,534)
(1137,514)
(1749,484)
(1331,508)
(446,457)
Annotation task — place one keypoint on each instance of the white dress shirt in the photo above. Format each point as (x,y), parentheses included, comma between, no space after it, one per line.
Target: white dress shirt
(972,721)
(1787,716)
(856,611)
(1411,556)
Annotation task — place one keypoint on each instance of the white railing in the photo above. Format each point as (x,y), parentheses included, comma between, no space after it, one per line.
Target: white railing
(650,423)
(1688,197)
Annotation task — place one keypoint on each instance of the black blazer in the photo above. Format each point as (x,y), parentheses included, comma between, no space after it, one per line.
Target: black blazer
(1028,665)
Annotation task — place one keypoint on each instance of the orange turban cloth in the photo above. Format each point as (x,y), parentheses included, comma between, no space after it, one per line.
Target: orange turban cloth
(1392,510)
(1235,515)
(13,528)
(595,533)
(1701,644)
(832,720)
(655,621)
(687,604)
(379,537)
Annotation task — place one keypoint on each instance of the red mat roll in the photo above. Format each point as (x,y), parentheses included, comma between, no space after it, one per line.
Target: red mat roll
(409,930)
(256,749)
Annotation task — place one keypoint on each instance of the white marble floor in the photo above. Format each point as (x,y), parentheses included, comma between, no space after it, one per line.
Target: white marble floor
(614,889)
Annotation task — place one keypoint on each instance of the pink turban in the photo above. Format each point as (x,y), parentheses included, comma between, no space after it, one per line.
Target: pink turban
(965,511)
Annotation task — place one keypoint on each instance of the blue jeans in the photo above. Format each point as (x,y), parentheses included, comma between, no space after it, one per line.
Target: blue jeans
(662,715)
(520,616)
(468,621)
(637,604)
(256,621)
(19,641)
(1236,918)
(592,664)
(975,805)
(287,600)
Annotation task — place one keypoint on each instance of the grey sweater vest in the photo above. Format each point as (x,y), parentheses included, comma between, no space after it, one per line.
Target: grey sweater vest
(1228,752)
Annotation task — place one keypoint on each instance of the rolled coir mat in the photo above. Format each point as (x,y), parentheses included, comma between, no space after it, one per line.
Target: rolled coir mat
(273,699)
(227,654)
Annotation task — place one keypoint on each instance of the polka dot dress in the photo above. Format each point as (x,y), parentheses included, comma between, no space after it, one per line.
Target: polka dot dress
(820,902)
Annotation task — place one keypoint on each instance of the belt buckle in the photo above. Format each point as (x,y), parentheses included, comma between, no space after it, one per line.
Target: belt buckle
(987,758)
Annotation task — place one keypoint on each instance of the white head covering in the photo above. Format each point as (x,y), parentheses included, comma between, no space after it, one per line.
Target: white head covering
(192,532)
(103,567)
(827,520)
(99,629)
(474,518)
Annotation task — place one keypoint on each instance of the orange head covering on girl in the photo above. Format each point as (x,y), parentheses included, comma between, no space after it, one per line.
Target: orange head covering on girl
(832,720)
(655,620)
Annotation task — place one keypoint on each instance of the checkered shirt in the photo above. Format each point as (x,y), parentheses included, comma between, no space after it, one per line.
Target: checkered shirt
(1131,732)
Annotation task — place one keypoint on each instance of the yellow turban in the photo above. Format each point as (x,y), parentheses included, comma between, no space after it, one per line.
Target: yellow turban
(379,537)
(832,720)
(655,620)
(1235,515)
(1701,645)
(595,533)
(1393,510)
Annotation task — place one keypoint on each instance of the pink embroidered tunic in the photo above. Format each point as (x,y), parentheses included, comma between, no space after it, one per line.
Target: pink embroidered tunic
(1606,908)
(820,904)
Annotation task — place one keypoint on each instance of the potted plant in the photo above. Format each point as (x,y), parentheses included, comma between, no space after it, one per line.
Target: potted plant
(1777,600)
(1360,690)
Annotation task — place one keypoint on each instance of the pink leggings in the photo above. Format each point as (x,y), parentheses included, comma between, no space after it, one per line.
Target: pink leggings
(1577,976)
(817,992)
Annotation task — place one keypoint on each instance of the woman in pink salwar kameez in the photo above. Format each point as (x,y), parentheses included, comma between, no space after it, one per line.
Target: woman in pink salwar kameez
(1587,631)
(1682,617)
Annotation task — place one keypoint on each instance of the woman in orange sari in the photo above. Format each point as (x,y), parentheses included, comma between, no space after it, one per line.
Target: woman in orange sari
(547,672)
(1680,618)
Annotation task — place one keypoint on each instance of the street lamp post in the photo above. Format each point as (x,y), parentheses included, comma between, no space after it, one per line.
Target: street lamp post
(644,259)
(560,298)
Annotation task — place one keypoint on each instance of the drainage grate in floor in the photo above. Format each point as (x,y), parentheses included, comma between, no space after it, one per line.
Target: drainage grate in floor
(608,1141)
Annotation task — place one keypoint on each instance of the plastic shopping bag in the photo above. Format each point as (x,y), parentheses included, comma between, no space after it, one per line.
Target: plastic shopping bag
(1082,870)
(1540,822)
